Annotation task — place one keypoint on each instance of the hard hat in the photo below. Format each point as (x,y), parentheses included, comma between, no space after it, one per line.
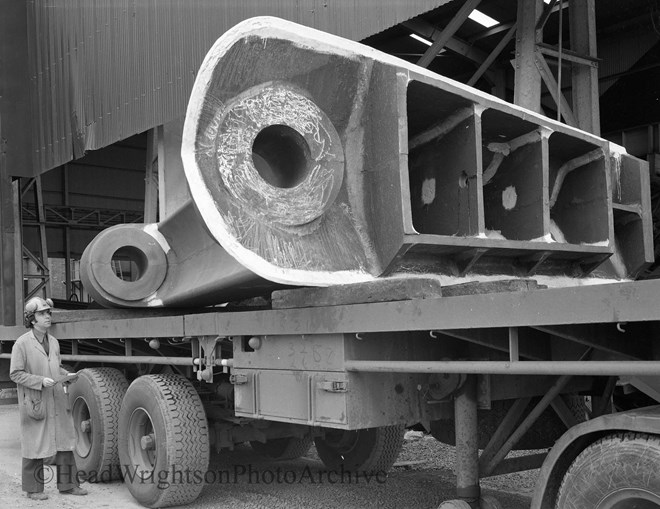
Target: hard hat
(32,306)
(36,304)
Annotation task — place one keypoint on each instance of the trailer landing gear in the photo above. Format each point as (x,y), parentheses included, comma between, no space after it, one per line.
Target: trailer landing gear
(467,452)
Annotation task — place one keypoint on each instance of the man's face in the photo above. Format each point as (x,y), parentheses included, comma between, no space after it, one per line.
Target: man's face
(42,319)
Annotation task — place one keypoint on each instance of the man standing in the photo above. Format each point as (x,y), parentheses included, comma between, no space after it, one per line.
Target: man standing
(46,422)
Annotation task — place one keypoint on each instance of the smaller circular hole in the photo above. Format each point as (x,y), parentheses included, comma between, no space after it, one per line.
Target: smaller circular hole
(129,263)
(281,156)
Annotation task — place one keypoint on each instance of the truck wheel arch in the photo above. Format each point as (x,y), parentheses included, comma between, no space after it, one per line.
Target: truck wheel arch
(576,439)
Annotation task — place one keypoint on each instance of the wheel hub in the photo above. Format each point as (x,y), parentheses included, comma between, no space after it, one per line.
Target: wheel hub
(142,441)
(148,442)
(630,497)
(83,426)
(342,441)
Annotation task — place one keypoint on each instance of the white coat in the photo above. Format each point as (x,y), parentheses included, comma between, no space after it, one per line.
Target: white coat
(29,366)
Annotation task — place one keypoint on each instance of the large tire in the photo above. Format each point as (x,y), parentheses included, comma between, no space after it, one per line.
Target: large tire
(365,450)
(616,472)
(485,502)
(95,402)
(542,435)
(455,504)
(283,448)
(163,440)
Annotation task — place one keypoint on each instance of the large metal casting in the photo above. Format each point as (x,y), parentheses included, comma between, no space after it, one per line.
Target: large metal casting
(313,160)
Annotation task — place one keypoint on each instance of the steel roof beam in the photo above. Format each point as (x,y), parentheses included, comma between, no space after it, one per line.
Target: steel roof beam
(493,55)
(448,32)
(455,44)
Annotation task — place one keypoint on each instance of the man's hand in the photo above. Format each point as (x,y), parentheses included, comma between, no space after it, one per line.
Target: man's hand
(48,382)
(71,378)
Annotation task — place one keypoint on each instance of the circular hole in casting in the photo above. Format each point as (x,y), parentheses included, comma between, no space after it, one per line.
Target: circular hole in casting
(129,263)
(281,156)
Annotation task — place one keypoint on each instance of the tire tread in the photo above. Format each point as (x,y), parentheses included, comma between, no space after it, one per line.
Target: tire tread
(109,386)
(602,466)
(377,450)
(186,430)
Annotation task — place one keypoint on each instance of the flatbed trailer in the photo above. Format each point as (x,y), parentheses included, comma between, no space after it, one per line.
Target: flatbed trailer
(415,174)
(364,371)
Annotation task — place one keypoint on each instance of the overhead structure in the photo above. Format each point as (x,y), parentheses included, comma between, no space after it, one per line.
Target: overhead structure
(313,160)
(79,75)
(83,75)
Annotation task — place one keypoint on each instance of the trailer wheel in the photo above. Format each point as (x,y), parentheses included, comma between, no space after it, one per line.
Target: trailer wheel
(455,504)
(489,502)
(363,450)
(616,472)
(283,448)
(163,440)
(485,502)
(95,402)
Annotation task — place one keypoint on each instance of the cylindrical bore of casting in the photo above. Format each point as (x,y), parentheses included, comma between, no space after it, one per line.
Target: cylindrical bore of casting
(131,243)
(277,153)
(137,258)
(281,156)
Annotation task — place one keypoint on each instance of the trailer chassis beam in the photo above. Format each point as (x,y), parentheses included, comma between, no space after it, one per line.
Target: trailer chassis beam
(578,368)
(133,359)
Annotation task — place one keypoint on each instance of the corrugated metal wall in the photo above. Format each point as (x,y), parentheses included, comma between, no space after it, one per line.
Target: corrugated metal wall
(103,70)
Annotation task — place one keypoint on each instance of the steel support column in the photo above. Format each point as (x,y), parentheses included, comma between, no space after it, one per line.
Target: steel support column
(151,178)
(527,86)
(67,236)
(39,260)
(15,131)
(467,444)
(585,77)
(8,246)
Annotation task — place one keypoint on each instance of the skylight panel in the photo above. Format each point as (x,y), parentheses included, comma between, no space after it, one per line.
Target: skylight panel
(483,19)
(421,39)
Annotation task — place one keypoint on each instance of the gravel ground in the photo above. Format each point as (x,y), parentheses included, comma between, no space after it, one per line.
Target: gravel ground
(422,478)
(439,457)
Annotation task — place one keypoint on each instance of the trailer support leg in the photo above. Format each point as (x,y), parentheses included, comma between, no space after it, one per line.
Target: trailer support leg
(467,448)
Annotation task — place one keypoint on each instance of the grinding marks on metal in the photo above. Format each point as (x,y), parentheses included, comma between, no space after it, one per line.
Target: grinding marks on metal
(316,161)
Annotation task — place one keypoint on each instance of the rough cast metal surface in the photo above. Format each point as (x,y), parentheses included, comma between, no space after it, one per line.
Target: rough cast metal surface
(316,161)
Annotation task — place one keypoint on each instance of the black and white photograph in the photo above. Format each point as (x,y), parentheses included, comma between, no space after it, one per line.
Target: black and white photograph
(314,254)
